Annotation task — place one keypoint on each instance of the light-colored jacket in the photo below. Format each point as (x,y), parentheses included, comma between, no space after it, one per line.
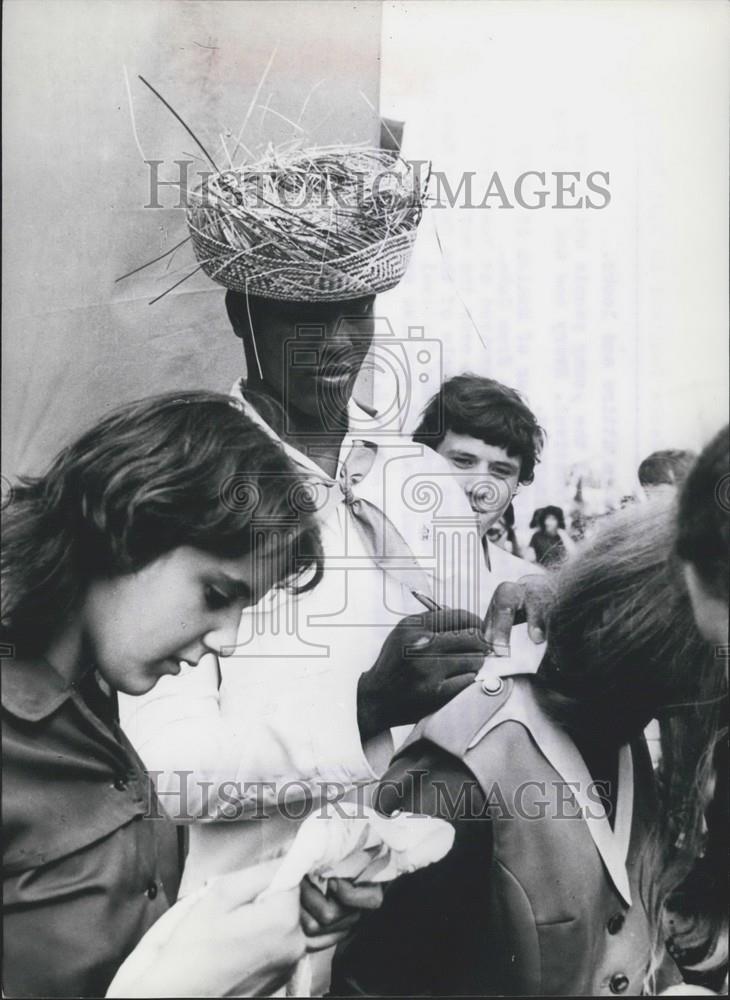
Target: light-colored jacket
(540,896)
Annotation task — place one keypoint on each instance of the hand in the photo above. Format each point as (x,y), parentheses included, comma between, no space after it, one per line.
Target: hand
(218,942)
(426,660)
(529,599)
(327,919)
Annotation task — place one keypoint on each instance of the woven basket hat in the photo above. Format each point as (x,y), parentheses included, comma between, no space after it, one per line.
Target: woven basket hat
(318,226)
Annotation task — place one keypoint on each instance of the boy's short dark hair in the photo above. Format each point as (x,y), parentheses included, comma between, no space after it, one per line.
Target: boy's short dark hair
(668,467)
(703,524)
(484,408)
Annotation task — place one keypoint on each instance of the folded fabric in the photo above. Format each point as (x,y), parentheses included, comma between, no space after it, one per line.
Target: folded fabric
(351,841)
(354,842)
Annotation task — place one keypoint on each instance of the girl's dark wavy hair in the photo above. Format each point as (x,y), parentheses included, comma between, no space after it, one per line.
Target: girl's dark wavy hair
(185,468)
(623,648)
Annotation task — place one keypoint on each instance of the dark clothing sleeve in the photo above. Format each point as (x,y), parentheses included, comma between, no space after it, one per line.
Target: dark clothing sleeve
(89,859)
(424,939)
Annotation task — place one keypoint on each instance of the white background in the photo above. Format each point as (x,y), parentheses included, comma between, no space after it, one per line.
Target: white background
(613,322)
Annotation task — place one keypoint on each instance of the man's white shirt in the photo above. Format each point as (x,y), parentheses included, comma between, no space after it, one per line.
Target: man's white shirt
(266,734)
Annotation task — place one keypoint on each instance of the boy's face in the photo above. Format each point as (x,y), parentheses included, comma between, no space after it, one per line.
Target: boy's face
(487,473)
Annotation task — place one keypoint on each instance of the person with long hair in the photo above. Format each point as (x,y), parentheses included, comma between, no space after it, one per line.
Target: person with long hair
(695,888)
(553,885)
(136,550)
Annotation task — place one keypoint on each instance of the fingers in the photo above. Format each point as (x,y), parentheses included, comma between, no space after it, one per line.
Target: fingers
(313,929)
(444,620)
(446,644)
(453,666)
(539,599)
(327,919)
(452,686)
(455,620)
(368,896)
(529,599)
(321,942)
(323,913)
(505,610)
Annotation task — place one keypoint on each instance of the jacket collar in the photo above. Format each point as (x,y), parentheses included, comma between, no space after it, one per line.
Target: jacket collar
(32,689)
(562,754)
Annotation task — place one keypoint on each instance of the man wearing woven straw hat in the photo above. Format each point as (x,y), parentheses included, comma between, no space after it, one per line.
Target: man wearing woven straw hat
(373,645)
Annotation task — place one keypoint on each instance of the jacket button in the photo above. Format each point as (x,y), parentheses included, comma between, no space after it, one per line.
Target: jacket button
(615,923)
(619,983)
(152,890)
(120,784)
(492,685)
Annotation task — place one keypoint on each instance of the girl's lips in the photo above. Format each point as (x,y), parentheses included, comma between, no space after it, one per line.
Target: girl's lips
(171,667)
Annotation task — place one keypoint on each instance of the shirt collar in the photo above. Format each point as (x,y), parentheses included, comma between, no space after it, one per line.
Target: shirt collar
(363,427)
(562,754)
(32,689)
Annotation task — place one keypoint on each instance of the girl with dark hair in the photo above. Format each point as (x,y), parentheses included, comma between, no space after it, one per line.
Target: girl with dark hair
(565,849)
(696,916)
(551,543)
(136,550)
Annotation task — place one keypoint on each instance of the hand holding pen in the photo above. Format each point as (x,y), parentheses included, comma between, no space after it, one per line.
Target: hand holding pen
(528,599)
(425,661)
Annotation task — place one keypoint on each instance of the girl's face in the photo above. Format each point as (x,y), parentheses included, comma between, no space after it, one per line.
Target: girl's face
(183,605)
(551,525)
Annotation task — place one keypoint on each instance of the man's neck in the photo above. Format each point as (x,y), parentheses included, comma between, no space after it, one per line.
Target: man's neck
(317,437)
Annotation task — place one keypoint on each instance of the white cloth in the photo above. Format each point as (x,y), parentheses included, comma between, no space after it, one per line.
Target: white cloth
(359,844)
(281,727)
(350,842)
(355,842)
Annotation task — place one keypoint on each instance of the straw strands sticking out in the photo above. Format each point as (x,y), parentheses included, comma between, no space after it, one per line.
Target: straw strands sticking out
(326,223)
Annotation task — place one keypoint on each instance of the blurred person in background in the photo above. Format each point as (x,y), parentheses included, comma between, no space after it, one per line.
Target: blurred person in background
(551,544)
(664,471)
(502,533)
(696,916)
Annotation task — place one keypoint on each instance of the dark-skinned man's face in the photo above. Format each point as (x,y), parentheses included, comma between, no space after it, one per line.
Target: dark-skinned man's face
(311,352)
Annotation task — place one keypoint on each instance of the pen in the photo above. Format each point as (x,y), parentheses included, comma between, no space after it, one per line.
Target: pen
(427,602)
